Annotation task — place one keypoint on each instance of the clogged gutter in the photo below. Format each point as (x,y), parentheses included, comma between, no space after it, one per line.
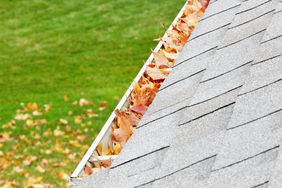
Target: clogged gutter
(144,91)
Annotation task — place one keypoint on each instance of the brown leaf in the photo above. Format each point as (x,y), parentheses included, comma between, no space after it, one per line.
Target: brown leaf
(155,74)
(140,109)
(143,92)
(204,3)
(125,123)
(87,170)
(29,160)
(63,121)
(62,175)
(22,116)
(161,61)
(106,164)
(32,106)
(47,107)
(103,105)
(84,102)
(58,132)
(170,54)
(127,118)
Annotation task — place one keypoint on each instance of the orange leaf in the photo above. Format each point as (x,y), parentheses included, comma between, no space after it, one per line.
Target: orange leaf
(204,3)
(87,170)
(161,60)
(141,109)
(121,135)
(155,74)
(170,55)
(126,123)
(106,164)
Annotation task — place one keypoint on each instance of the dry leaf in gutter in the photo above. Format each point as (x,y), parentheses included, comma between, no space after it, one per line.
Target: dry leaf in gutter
(155,74)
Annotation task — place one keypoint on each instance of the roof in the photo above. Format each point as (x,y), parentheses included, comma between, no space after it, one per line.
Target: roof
(217,119)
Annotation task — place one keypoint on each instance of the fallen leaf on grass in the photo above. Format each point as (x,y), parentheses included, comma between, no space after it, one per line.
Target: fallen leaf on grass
(58,132)
(90,113)
(84,102)
(62,175)
(9,184)
(29,160)
(58,164)
(5,136)
(32,107)
(40,169)
(77,119)
(22,116)
(63,122)
(18,169)
(103,105)
(81,138)
(47,107)
(74,143)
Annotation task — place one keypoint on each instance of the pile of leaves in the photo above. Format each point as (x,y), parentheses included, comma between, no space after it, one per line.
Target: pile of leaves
(147,87)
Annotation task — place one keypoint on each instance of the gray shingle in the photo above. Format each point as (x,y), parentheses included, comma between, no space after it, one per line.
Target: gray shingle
(269,49)
(246,30)
(247,173)
(137,171)
(251,4)
(279,7)
(276,177)
(197,111)
(257,104)
(263,74)
(248,140)
(220,20)
(274,30)
(206,125)
(233,56)
(189,153)
(262,185)
(201,45)
(219,85)
(253,14)
(220,6)
(149,118)
(194,176)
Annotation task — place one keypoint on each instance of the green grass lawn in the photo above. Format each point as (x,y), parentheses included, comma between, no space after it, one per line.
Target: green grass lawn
(79,49)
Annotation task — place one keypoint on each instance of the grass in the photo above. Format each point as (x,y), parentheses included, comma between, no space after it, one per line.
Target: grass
(78,49)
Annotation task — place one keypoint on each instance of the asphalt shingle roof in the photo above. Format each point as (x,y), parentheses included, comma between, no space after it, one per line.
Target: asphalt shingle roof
(217,119)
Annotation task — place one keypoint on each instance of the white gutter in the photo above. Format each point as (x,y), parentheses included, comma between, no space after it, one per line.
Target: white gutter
(123,100)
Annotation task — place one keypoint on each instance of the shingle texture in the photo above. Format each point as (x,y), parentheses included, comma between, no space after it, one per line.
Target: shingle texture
(217,120)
